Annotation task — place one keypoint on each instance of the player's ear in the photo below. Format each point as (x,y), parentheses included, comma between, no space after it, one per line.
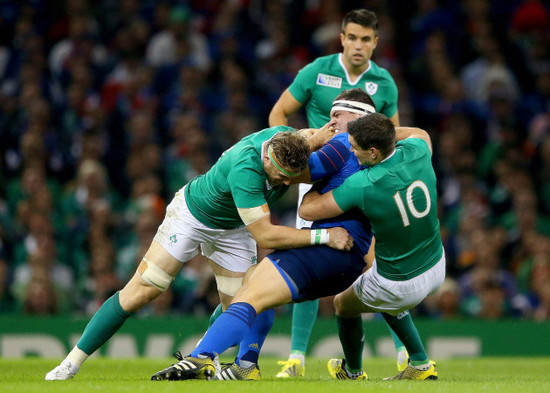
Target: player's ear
(375,40)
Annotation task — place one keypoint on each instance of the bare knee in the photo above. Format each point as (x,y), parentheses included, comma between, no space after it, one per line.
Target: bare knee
(137,294)
(338,305)
(344,308)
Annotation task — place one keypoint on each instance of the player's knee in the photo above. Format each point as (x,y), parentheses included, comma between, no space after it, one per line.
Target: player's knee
(134,297)
(228,285)
(340,307)
(337,302)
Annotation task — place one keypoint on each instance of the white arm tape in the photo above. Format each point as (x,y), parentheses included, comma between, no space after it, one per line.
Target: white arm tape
(154,275)
(253,214)
(319,236)
(229,285)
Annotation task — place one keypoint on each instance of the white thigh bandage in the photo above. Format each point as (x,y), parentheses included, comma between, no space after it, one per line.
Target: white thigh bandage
(154,275)
(228,285)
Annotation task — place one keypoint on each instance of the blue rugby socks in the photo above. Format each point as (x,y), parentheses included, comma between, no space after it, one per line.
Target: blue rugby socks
(228,330)
(250,346)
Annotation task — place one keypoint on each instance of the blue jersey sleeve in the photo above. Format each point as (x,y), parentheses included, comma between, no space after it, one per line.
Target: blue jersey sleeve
(329,159)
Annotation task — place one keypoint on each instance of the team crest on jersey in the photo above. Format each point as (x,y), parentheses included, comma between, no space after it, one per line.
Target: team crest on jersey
(329,81)
(371,88)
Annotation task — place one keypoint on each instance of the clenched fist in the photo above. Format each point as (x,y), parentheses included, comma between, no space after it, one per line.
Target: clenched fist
(340,239)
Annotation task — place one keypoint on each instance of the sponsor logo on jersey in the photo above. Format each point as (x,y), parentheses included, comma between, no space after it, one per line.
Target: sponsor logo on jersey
(329,81)
(371,88)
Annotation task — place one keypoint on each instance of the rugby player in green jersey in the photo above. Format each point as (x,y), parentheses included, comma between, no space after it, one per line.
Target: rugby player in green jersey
(224,213)
(397,192)
(315,88)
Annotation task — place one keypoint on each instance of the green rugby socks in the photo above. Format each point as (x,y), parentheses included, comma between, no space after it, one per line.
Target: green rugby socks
(103,325)
(303,318)
(404,327)
(352,338)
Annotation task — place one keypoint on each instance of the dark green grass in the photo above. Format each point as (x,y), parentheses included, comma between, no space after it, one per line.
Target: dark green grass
(502,375)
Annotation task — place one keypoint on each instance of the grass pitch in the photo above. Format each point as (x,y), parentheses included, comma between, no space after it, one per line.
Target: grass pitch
(502,375)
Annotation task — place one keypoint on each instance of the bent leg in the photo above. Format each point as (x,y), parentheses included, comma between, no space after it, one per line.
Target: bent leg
(350,328)
(251,345)
(265,289)
(156,271)
(137,293)
(228,283)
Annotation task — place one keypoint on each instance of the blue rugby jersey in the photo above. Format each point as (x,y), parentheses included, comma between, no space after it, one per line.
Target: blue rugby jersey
(333,164)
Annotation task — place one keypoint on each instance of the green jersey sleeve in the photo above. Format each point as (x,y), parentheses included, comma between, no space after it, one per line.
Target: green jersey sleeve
(350,193)
(247,182)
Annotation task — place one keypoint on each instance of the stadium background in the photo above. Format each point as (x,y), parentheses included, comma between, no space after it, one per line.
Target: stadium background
(108,107)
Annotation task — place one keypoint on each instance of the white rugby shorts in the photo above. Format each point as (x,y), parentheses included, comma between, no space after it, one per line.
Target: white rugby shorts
(394,297)
(181,234)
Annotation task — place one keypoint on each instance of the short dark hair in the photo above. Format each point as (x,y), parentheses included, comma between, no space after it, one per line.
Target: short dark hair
(361,17)
(356,94)
(291,149)
(374,130)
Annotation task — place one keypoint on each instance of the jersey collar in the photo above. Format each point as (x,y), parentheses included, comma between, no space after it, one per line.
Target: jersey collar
(347,73)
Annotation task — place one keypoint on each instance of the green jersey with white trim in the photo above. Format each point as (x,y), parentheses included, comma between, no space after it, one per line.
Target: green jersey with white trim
(320,82)
(399,197)
(236,180)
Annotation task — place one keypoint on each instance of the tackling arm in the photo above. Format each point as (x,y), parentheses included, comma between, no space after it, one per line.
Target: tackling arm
(413,132)
(317,207)
(271,236)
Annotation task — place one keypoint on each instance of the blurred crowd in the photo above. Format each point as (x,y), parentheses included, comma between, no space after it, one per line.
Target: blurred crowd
(108,107)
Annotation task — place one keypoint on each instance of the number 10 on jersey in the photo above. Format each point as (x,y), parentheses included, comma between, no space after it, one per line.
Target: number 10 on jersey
(410,203)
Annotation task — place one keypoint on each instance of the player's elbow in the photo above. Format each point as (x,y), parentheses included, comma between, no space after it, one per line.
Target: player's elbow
(306,212)
(266,241)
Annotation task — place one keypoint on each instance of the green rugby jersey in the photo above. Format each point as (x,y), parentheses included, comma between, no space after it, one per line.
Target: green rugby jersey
(399,197)
(236,180)
(318,84)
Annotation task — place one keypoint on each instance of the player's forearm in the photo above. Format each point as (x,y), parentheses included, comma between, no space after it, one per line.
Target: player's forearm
(316,141)
(307,207)
(285,106)
(402,133)
(318,137)
(277,117)
(317,206)
(280,237)
(310,197)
